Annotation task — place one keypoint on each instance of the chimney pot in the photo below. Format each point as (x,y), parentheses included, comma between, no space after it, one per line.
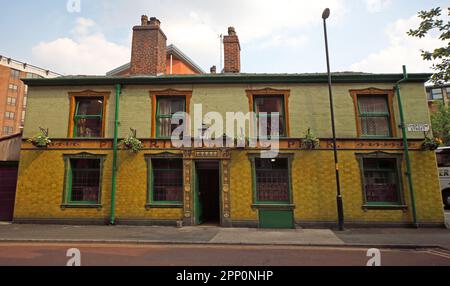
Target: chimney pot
(144,20)
(155,22)
(231,31)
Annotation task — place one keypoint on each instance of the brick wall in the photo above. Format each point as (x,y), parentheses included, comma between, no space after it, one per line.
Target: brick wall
(148,53)
(232,52)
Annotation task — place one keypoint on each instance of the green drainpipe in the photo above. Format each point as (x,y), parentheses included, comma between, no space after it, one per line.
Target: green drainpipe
(405,146)
(114,166)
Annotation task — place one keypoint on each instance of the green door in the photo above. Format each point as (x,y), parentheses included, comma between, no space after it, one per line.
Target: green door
(276,219)
(197,201)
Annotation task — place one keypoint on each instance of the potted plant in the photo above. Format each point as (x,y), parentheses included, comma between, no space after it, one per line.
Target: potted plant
(310,141)
(41,140)
(131,143)
(431,144)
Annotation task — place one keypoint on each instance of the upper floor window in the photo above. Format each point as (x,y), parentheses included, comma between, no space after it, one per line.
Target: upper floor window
(165,104)
(87,114)
(166,109)
(266,108)
(88,117)
(435,94)
(7,130)
(374,117)
(15,73)
(11,100)
(268,104)
(10,115)
(24,104)
(33,75)
(13,87)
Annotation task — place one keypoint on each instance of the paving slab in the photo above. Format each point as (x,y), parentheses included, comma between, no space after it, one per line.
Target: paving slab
(261,236)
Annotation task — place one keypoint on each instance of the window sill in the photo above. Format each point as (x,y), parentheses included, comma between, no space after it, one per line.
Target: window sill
(81,206)
(163,206)
(274,206)
(384,207)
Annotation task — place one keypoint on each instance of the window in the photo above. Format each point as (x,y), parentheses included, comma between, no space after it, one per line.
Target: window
(83,180)
(23,117)
(374,115)
(165,181)
(9,115)
(25,102)
(167,107)
(381,177)
(267,107)
(7,130)
(11,100)
(88,117)
(13,87)
(32,75)
(435,94)
(272,180)
(15,73)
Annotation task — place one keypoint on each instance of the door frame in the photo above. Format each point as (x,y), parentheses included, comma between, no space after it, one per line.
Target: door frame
(197,206)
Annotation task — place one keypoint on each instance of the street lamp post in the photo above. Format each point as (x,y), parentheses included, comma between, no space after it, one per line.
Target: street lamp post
(340,206)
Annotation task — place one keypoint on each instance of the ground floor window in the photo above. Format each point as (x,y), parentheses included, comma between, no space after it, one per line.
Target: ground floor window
(83,180)
(381,179)
(271,180)
(165,177)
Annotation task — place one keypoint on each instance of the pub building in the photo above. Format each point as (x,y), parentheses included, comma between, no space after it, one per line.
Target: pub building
(86,175)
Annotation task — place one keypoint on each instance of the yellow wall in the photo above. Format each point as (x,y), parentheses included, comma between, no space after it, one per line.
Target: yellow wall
(41,178)
(314,189)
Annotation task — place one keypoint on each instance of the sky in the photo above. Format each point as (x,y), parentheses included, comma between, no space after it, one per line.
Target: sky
(277,36)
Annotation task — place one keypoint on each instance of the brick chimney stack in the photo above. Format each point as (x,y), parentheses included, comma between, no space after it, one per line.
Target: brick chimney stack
(232,52)
(149,48)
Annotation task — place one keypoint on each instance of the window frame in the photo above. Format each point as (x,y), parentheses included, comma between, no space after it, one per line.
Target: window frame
(150,202)
(389,93)
(274,204)
(8,117)
(73,109)
(398,157)
(13,87)
(155,94)
(11,100)
(14,73)
(284,93)
(159,116)
(67,187)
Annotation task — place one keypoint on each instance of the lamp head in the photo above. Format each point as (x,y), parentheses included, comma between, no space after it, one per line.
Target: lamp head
(326,13)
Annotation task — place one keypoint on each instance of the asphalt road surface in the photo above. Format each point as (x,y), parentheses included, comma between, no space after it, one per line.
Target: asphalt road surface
(55,254)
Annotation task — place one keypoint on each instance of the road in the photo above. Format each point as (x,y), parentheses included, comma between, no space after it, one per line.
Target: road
(54,254)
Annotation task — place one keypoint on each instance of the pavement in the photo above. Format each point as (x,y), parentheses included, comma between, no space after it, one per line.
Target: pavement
(358,237)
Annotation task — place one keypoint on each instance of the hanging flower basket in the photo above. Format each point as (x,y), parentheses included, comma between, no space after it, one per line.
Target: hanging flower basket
(41,140)
(131,143)
(310,141)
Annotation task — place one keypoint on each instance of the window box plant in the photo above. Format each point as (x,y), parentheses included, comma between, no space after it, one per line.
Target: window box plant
(310,141)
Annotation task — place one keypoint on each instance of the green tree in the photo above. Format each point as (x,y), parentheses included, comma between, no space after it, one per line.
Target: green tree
(440,122)
(431,22)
